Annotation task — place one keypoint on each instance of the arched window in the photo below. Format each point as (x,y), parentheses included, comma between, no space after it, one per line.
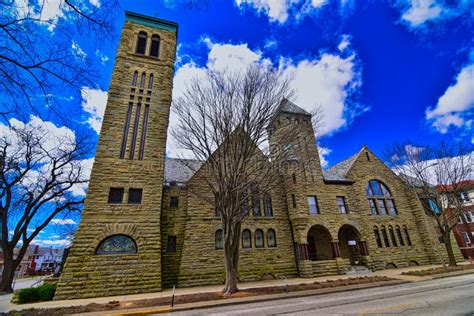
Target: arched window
(150,82)
(142,81)
(219,239)
(392,236)
(380,199)
(377,237)
(155,46)
(407,236)
(271,238)
(255,200)
(259,238)
(385,237)
(400,237)
(246,239)
(267,205)
(135,79)
(141,43)
(116,244)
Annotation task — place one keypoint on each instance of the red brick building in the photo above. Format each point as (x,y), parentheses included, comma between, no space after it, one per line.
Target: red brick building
(464,230)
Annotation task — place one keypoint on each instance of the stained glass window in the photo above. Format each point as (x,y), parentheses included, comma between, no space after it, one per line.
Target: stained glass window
(219,239)
(271,238)
(246,239)
(385,202)
(116,244)
(258,238)
(267,206)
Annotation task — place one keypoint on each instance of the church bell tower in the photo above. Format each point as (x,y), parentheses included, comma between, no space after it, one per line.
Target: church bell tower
(117,247)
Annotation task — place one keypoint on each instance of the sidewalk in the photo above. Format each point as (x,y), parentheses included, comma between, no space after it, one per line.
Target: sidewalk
(6,306)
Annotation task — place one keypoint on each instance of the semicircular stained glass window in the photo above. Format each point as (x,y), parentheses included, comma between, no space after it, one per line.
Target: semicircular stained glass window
(116,244)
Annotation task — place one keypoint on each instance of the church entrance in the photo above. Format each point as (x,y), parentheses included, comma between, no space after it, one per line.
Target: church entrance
(319,243)
(349,244)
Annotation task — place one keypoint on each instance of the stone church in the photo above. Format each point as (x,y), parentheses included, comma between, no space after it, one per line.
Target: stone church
(143,227)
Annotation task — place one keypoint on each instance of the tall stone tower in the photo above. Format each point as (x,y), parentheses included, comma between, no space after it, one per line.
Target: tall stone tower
(116,249)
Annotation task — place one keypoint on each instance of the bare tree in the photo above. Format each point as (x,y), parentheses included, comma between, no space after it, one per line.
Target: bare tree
(36,63)
(438,174)
(224,122)
(38,175)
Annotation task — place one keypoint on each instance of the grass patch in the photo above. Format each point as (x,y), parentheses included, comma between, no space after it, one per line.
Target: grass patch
(439,270)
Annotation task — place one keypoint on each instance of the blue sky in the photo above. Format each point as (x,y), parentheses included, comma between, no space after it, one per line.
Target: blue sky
(382,71)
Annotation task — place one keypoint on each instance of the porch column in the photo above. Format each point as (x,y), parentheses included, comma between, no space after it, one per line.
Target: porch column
(364,250)
(303,251)
(336,252)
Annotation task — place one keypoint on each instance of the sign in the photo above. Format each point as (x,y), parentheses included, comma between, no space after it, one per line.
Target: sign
(351,242)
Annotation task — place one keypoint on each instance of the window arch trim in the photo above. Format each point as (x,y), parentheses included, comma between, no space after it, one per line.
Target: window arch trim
(129,249)
(246,232)
(219,245)
(377,188)
(155,46)
(142,39)
(273,244)
(260,244)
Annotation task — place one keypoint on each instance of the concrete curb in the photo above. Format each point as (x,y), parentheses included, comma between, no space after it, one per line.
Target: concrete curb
(246,300)
(451,274)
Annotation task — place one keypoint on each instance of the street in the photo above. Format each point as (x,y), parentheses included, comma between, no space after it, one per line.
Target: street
(448,296)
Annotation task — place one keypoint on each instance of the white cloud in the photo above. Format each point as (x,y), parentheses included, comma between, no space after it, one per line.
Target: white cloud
(327,81)
(455,106)
(66,221)
(421,11)
(50,242)
(346,41)
(323,152)
(53,138)
(415,13)
(270,43)
(52,11)
(279,10)
(94,102)
(103,58)
(80,189)
(77,50)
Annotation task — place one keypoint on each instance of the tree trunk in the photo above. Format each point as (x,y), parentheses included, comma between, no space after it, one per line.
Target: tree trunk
(231,258)
(449,249)
(7,276)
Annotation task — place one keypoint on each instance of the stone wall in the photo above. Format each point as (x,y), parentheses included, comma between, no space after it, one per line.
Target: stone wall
(173,223)
(202,263)
(86,274)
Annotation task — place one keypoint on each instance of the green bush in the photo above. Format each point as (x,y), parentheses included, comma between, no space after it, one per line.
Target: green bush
(46,292)
(28,295)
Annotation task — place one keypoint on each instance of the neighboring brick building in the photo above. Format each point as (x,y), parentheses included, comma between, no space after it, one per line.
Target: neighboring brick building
(464,230)
(146,224)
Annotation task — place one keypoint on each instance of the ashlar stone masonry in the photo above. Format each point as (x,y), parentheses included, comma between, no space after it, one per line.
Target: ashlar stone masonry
(146,224)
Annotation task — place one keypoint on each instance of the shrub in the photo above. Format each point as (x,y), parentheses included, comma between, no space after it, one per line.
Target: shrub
(46,292)
(28,295)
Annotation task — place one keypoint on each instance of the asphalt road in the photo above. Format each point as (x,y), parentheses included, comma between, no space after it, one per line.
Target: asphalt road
(449,296)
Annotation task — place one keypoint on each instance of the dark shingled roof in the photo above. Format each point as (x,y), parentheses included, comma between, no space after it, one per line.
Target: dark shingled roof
(180,170)
(338,171)
(289,107)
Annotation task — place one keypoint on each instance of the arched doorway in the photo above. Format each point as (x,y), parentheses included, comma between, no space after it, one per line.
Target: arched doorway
(349,239)
(319,243)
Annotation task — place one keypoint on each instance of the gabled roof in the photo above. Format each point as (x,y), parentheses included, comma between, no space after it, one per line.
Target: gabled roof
(339,171)
(287,106)
(180,171)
